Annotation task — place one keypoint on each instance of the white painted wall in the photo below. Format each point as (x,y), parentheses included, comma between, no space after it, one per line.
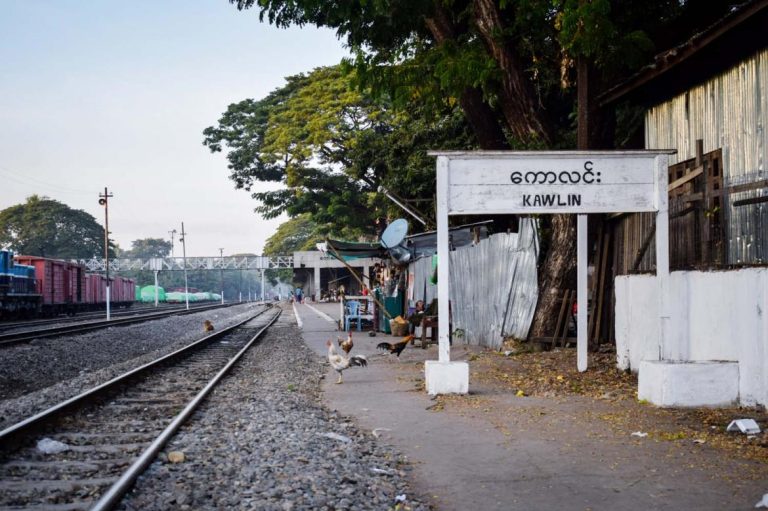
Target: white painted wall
(714,316)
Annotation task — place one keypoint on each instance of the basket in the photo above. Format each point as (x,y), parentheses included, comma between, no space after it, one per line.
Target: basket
(398,329)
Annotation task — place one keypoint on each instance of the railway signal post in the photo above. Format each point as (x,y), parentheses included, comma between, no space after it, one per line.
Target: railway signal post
(104,201)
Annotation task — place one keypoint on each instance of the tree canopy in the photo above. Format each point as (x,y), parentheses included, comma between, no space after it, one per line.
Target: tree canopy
(49,228)
(512,68)
(148,247)
(329,148)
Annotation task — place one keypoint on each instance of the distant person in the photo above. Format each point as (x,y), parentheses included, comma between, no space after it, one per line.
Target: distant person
(414,319)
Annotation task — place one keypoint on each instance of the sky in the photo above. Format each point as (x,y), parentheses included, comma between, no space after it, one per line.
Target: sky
(100,93)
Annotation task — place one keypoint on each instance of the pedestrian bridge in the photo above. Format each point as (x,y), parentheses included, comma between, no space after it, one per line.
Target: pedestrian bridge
(313,267)
(189,263)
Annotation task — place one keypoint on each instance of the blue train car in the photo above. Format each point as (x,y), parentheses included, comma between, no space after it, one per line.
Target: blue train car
(19,295)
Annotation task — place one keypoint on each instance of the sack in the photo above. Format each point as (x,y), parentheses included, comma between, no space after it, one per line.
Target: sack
(398,329)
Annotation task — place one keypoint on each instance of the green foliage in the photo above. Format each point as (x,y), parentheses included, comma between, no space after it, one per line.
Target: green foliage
(298,233)
(331,146)
(147,248)
(590,30)
(49,228)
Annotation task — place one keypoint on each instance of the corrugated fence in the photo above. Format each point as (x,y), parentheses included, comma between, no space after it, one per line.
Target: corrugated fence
(493,286)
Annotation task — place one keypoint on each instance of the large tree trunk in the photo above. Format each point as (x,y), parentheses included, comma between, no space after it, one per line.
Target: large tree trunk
(555,275)
(524,117)
(480,116)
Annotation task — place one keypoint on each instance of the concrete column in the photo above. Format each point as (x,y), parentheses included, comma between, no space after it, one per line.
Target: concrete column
(316,283)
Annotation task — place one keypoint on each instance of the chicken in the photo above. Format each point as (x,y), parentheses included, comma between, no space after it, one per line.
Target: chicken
(207,326)
(340,362)
(346,345)
(396,348)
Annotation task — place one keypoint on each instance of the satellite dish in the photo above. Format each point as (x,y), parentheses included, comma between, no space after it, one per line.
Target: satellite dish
(392,239)
(395,233)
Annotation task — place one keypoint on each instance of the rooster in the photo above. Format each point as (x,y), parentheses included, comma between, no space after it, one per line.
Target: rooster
(346,345)
(340,362)
(396,348)
(207,326)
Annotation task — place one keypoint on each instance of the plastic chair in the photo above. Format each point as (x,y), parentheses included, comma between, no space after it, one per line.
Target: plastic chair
(352,312)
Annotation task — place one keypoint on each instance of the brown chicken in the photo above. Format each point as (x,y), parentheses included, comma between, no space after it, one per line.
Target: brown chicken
(396,348)
(347,344)
(207,326)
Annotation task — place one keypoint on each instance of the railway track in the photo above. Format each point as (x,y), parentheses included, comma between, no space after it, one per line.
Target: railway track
(84,316)
(19,336)
(114,431)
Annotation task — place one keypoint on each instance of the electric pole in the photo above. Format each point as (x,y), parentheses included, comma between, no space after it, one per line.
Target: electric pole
(172,233)
(104,201)
(221,271)
(183,241)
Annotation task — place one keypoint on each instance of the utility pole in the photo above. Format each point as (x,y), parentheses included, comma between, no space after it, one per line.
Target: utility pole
(104,201)
(183,241)
(172,233)
(221,270)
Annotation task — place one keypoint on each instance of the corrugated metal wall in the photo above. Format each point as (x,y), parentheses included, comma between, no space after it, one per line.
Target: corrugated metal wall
(730,111)
(493,286)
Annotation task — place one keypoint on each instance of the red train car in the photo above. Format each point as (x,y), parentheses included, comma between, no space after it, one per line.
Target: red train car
(122,291)
(61,283)
(96,290)
(66,288)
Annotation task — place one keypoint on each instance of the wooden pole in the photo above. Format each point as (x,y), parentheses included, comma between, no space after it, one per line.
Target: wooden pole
(354,274)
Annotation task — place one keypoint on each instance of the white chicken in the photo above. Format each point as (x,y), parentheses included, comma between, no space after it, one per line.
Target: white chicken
(340,362)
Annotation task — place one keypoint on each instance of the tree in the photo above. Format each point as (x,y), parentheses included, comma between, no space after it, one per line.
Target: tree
(508,64)
(332,147)
(46,227)
(147,248)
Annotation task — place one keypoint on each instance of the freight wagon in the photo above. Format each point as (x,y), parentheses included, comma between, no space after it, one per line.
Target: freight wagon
(56,287)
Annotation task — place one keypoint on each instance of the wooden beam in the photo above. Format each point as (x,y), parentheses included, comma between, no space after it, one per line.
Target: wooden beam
(691,175)
(753,200)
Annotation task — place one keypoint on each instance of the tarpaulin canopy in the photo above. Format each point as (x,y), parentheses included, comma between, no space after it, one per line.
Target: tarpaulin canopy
(413,247)
(350,251)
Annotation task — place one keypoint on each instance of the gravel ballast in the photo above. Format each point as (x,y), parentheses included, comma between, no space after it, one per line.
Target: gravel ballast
(43,372)
(263,440)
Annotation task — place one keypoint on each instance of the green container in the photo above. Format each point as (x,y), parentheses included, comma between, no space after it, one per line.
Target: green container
(394,306)
(148,294)
(174,297)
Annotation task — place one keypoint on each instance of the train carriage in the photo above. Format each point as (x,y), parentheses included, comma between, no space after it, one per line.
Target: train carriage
(32,285)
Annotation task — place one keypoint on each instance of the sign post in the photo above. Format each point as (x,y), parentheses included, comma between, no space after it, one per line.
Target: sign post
(524,183)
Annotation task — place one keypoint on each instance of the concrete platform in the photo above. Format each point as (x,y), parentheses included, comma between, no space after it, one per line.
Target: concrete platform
(537,454)
(667,383)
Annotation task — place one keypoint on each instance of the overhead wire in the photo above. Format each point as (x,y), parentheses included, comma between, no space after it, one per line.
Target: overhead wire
(31,181)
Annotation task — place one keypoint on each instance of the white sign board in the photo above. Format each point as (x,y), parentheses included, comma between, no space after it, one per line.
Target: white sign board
(509,182)
(549,182)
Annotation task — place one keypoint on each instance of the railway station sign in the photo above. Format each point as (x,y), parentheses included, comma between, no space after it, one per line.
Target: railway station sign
(531,182)
(496,182)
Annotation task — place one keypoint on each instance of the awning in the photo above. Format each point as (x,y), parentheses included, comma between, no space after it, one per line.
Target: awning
(350,251)
(413,247)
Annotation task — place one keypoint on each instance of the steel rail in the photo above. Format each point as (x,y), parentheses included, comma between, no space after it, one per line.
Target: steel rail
(87,315)
(10,433)
(126,481)
(28,335)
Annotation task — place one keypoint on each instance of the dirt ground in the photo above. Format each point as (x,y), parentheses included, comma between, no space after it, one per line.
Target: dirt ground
(520,390)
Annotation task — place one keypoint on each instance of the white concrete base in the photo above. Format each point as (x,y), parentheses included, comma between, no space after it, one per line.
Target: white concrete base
(669,383)
(446,377)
